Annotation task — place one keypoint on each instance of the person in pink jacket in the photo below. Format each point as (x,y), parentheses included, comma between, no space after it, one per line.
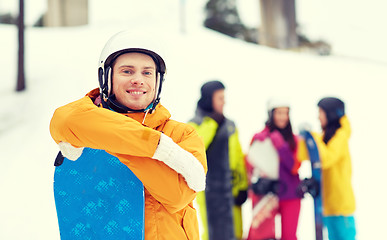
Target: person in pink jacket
(274,176)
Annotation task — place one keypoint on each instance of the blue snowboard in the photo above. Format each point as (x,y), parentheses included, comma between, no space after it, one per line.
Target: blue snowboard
(98,197)
(316,174)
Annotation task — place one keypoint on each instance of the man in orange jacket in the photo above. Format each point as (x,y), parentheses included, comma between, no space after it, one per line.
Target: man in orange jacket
(124,118)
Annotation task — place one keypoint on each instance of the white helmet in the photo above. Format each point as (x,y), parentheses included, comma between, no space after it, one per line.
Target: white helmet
(125,42)
(273,103)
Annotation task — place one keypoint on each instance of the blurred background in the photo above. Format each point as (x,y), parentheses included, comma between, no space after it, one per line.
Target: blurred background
(299,49)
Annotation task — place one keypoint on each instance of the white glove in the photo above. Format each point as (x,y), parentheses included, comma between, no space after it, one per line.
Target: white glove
(182,161)
(304,126)
(69,151)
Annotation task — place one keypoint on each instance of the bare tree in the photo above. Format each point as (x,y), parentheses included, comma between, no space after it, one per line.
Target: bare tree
(20,86)
(222,16)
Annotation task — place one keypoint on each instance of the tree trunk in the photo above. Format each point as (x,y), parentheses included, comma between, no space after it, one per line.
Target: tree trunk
(20,86)
(278,28)
(62,13)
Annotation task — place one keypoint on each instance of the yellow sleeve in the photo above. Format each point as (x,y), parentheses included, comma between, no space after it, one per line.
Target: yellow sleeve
(336,148)
(206,130)
(332,152)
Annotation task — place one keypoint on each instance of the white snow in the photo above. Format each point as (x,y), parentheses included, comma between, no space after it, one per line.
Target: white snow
(61,66)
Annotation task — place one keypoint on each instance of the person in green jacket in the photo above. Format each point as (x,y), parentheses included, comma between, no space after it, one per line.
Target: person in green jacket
(337,192)
(226,184)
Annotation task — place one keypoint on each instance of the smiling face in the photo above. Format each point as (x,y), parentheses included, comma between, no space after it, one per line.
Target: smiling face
(134,80)
(281,117)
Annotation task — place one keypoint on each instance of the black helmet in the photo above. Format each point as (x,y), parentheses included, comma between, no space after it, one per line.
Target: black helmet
(207,91)
(333,107)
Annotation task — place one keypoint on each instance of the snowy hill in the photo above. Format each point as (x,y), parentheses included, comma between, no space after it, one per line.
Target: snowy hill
(61,66)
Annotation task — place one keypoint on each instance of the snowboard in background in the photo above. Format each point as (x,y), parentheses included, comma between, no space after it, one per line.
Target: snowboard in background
(316,174)
(263,161)
(98,197)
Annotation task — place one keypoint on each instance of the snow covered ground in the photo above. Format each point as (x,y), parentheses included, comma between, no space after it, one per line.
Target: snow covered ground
(61,66)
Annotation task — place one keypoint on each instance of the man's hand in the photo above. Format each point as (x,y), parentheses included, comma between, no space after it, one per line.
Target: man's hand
(304,127)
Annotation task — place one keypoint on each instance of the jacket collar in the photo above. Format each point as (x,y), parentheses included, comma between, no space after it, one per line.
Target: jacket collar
(152,120)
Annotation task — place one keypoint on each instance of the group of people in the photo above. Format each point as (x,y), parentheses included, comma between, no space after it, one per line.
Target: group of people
(269,171)
(202,160)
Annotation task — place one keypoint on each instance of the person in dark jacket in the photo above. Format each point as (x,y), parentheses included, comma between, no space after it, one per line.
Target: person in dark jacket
(226,184)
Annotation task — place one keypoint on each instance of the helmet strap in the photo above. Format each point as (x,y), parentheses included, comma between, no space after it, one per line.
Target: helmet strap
(104,77)
(156,101)
(112,104)
(101,81)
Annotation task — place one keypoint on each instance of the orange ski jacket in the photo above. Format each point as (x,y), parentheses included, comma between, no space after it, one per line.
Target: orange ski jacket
(133,138)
